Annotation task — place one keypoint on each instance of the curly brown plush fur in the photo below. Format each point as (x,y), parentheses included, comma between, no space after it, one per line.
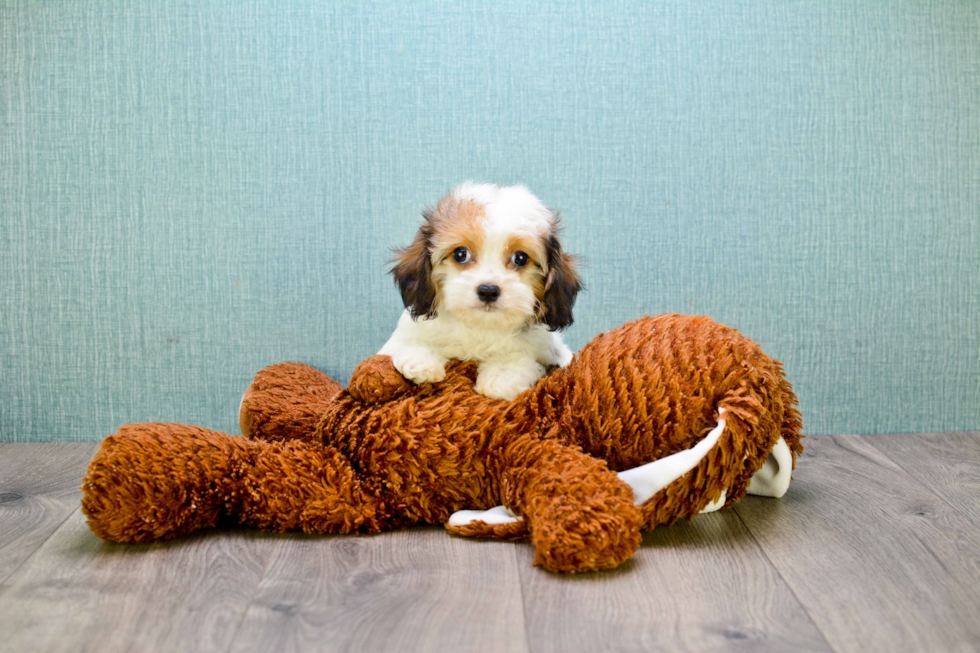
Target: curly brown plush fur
(385,454)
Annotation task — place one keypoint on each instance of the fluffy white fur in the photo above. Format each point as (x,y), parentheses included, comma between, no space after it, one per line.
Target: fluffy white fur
(495,225)
(511,360)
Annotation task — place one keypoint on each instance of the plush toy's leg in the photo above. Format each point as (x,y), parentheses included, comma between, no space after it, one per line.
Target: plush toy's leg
(653,477)
(158,481)
(581,517)
(693,481)
(645,481)
(701,479)
(285,402)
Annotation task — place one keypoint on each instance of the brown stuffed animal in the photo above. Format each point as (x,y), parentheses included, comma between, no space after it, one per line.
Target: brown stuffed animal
(658,420)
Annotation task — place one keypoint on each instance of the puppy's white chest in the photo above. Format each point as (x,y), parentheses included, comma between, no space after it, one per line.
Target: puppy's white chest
(452,339)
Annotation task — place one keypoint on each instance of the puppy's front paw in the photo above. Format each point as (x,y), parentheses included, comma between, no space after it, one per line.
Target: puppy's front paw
(507,380)
(419,365)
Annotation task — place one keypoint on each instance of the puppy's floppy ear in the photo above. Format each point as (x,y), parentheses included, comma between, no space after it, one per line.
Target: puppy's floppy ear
(413,273)
(560,287)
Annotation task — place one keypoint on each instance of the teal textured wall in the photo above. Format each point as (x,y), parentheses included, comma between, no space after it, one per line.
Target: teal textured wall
(190,191)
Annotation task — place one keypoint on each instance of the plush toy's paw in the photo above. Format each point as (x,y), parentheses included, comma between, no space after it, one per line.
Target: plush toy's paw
(152,482)
(419,365)
(570,539)
(506,380)
(497,523)
(376,381)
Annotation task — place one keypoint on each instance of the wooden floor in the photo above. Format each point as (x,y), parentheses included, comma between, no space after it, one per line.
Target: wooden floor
(876,547)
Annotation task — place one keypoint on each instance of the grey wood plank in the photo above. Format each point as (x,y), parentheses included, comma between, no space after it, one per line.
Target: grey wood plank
(702,585)
(78,593)
(415,590)
(39,489)
(879,562)
(946,463)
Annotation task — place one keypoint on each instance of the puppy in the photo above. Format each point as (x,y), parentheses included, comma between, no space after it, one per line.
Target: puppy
(485,280)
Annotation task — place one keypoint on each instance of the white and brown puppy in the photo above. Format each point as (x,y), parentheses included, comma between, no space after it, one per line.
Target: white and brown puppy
(485,280)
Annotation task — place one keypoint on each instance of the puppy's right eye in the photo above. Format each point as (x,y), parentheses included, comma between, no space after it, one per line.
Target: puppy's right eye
(461,255)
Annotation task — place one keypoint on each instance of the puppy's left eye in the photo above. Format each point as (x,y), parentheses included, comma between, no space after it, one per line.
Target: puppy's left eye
(519,259)
(461,255)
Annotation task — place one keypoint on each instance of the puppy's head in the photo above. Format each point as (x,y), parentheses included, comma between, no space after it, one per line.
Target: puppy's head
(490,255)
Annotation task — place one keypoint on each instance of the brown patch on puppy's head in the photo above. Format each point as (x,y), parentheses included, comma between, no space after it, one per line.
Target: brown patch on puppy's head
(450,224)
(456,223)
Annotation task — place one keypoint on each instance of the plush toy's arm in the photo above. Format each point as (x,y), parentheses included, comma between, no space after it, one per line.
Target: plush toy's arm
(376,381)
(581,517)
(152,482)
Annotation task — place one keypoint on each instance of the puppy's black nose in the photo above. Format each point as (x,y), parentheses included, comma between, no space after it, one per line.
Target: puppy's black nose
(488,292)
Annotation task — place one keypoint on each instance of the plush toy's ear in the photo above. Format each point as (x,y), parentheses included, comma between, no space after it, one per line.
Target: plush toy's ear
(413,273)
(561,286)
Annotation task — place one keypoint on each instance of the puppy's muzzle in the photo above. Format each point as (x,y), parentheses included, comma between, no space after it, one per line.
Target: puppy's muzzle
(488,292)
